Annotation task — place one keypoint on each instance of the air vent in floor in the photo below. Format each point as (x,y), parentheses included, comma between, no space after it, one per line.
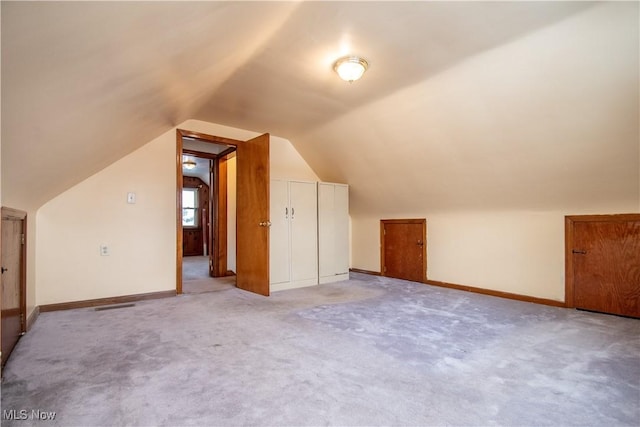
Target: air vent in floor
(113,307)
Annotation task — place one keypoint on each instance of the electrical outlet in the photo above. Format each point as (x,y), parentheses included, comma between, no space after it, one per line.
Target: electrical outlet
(104,250)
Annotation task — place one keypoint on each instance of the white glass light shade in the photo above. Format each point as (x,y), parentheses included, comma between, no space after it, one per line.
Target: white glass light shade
(189,164)
(350,68)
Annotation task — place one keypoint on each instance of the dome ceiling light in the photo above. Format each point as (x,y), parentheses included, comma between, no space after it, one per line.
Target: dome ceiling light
(189,164)
(350,68)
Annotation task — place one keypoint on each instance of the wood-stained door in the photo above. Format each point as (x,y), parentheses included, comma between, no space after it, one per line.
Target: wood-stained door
(403,249)
(603,263)
(252,219)
(13,279)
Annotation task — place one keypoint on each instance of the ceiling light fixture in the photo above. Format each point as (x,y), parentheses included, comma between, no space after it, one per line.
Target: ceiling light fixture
(350,68)
(189,164)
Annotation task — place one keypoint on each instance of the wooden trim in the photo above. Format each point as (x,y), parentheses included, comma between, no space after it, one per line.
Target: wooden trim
(499,294)
(568,262)
(31,320)
(205,137)
(179,231)
(569,222)
(200,154)
(11,213)
(404,221)
(219,200)
(105,301)
(372,273)
(226,153)
(606,217)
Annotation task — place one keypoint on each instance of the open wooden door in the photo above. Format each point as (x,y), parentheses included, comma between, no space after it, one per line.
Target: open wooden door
(13,279)
(252,218)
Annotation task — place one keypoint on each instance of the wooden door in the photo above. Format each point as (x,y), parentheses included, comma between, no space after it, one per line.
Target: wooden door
(13,279)
(603,253)
(403,248)
(252,221)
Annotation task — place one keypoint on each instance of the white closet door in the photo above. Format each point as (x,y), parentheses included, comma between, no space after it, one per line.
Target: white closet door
(304,232)
(341,218)
(326,229)
(279,254)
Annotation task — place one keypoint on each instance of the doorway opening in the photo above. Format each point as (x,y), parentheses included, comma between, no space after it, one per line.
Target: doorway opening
(251,209)
(206,210)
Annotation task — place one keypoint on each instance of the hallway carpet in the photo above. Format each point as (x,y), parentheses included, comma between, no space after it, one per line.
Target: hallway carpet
(369,351)
(196,279)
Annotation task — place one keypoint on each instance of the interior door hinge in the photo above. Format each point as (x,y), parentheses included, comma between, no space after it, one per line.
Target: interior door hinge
(22,238)
(385,268)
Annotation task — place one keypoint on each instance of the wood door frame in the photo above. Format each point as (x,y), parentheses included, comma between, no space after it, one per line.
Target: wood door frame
(422,221)
(16,214)
(569,222)
(220,215)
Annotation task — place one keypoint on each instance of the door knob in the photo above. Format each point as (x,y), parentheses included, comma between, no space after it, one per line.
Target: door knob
(2,269)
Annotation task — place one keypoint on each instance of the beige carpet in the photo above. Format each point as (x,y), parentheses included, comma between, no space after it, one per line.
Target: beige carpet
(370,351)
(196,279)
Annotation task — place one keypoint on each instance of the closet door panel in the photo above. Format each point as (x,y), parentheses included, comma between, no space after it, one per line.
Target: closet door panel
(304,232)
(341,218)
(326,229)
(279,254)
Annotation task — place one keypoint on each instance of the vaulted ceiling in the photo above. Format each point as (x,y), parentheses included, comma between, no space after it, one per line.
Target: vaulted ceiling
(466,105)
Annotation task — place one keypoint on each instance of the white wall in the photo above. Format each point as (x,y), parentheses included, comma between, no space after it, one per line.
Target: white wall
(520,252)
(141,237)
(509,142)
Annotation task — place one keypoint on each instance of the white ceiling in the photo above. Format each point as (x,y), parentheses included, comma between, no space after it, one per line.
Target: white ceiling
(465,104)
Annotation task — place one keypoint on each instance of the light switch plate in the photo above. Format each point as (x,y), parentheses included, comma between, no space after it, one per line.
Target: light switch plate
(131,198)
(104,250)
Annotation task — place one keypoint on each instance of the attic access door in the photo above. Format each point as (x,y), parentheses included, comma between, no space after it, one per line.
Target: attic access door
(602,261)
(13,279)
(252,217)
(403,249)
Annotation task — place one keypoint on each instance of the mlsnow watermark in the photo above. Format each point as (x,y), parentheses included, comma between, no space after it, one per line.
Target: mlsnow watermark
(28,414)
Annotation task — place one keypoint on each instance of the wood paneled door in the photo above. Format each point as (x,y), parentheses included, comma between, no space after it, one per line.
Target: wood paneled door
(602,261)
(403,250)
(13,279)
(252,220)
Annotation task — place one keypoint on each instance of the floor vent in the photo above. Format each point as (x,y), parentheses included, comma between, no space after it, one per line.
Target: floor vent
(113,307)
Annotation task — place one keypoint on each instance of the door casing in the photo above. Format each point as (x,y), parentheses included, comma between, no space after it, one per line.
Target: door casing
(219,245)
(252,170)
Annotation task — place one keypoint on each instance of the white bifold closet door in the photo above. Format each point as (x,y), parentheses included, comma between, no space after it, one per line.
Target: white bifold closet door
(294,234)
(333,232)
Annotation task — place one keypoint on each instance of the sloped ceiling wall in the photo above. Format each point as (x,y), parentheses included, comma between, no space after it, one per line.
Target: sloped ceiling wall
(465,104)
